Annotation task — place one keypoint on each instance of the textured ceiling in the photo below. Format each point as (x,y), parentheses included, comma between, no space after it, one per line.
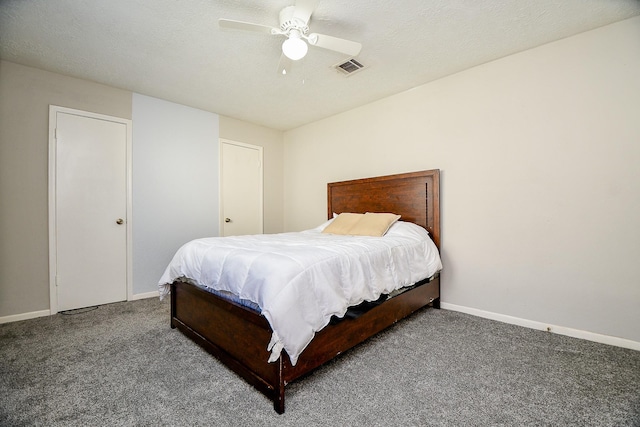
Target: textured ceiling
(175,50)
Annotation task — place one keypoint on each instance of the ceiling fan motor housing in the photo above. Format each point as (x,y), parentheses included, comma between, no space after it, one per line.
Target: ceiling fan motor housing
(288,22)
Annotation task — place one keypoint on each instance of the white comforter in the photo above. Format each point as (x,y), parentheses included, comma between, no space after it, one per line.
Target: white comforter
(300,280)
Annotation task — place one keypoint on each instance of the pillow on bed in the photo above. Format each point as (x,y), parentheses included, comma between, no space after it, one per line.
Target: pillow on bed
(374,224)
(342,223)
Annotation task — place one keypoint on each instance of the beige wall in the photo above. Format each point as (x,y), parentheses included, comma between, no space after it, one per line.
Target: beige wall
(540,160)
(25,96)
(271,141)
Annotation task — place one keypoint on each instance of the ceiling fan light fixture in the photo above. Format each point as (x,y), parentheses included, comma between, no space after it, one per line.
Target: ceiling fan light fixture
(294,47)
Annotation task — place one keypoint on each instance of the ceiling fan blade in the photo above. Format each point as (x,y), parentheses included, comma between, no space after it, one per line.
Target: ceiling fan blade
(304,9)
(334,43)
(246,26)
(284,65)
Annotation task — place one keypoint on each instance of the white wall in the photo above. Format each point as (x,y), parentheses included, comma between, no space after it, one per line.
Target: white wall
(540,160)
(175,183)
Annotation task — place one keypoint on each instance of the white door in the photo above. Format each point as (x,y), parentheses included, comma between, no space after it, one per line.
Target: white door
(240,189)
(90,209)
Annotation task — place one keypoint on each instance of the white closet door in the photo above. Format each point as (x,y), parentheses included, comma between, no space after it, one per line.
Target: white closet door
(90,211)
(241,189)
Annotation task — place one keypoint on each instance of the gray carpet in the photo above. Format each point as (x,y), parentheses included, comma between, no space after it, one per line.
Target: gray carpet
(121,365)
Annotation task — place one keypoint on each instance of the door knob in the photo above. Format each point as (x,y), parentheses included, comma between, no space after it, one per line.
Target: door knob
(227,220)
(120,221)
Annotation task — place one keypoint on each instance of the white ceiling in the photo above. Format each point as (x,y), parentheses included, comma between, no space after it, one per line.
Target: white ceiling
(175,50)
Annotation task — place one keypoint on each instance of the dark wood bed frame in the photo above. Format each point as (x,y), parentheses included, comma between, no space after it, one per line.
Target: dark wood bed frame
(238,336)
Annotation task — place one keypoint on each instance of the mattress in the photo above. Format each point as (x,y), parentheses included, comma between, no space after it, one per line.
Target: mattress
(300,280)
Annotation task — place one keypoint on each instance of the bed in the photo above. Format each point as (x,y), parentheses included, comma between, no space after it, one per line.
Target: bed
(240,337)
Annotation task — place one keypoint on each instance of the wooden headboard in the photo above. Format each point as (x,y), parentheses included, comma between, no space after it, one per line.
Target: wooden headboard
(414,195)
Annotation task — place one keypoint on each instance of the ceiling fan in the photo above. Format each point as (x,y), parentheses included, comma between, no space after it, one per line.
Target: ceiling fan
(294,26)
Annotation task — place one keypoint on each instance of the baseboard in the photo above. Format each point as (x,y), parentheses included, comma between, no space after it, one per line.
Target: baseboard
(153,294)
(43,313)
(561,330)
(25,316)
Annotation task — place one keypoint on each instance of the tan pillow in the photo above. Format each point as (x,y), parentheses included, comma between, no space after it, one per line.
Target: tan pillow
(374,224)
(343,223)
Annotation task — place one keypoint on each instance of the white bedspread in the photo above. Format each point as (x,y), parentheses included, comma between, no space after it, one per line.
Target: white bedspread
(300,280)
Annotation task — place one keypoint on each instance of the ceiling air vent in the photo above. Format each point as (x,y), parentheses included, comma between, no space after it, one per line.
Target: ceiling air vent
(349,67)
